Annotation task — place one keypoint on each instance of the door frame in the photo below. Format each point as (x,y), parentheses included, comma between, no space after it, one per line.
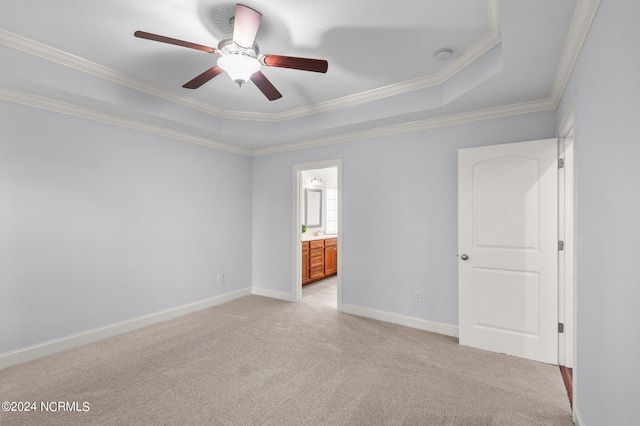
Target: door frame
(567,284)
(297,224)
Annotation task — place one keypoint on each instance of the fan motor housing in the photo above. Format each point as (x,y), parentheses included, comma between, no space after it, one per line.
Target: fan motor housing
(228,47)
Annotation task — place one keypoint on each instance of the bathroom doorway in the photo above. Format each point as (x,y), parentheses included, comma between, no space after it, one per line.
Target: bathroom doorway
(318,231)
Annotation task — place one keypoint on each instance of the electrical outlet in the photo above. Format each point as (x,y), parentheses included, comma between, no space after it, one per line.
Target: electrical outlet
(417,297)
(220,278)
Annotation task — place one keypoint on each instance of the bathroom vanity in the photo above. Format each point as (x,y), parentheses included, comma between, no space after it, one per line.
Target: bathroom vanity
(319,259)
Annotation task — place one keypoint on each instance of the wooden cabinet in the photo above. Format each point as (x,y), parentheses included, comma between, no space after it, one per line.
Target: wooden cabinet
(319,259)
(305,263)
(330,257)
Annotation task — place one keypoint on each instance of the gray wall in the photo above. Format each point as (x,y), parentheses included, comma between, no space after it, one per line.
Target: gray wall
(399,214)
(606,87)
(100,224)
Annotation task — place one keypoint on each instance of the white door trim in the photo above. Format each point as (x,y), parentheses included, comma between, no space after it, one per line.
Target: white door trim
(297,224)
(566,134)
(566,232)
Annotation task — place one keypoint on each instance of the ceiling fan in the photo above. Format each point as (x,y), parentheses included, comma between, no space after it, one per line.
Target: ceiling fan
(239,55)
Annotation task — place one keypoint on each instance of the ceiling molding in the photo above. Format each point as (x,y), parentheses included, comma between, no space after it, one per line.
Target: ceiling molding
(431,123)
(568,120)
(52,54)
(479,48)
(583,17)
(41,102)
(476,50)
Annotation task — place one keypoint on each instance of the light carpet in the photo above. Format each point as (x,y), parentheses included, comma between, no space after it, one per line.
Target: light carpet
(260,361)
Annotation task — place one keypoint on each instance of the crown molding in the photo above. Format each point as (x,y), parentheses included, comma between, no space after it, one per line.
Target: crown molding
(482,45)
(476,50)
(41,102)
(583,17)
(52,54)
(568,120)
(431,123)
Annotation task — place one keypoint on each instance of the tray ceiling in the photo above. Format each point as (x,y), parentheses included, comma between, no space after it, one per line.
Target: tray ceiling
(382,67)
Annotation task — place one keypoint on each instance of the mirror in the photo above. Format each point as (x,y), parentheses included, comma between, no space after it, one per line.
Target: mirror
(313,208)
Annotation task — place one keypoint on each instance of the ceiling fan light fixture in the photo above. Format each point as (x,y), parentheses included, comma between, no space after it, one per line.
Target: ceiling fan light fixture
(240,67)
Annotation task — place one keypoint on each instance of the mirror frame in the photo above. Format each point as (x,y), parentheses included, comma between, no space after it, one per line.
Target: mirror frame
(306,208)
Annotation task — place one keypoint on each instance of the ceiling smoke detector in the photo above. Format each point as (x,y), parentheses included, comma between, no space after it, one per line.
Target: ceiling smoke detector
(443,54)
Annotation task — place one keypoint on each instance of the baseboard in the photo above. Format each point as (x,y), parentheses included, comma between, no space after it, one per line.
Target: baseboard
(577,420)
(272,294)
(58,345)
(420,324)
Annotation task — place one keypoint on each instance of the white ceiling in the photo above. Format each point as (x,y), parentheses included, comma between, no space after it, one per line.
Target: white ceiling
(382,69)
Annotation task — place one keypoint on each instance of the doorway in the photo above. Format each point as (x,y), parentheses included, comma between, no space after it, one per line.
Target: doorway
(317,214)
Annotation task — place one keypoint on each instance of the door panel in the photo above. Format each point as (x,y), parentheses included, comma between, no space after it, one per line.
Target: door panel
(519,288)
(507,226)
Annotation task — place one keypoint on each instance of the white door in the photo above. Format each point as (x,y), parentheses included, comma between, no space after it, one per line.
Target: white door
(508,249)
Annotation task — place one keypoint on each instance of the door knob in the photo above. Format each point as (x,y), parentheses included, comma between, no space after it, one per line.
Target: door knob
(464,257)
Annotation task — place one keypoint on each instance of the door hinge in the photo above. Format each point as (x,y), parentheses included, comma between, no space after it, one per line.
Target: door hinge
(560,245)
(560,163)
(560,327)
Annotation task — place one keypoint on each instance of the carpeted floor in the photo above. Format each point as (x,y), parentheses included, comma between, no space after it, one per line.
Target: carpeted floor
(260,361)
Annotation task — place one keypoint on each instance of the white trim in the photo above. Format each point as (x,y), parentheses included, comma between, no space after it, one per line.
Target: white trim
(568,119)
(577,418)
(296,280)
(58,345)
(36,101)
(568,261)
(431,123)
(479,48)
(420,324)
(583,17)
(52,54)
(566,131)
(273,294)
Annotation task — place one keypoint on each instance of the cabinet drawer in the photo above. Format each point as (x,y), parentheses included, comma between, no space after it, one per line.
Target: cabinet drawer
(316,244)
(331,242)
(316,261)
(316,272)
(316,252)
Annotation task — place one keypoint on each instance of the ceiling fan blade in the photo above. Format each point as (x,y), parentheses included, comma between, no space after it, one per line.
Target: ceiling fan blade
(265,86)
(305,64)
(245,26)
(163,39)
(203,78)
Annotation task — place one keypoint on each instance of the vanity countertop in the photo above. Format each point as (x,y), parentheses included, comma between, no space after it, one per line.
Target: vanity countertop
(317,237)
